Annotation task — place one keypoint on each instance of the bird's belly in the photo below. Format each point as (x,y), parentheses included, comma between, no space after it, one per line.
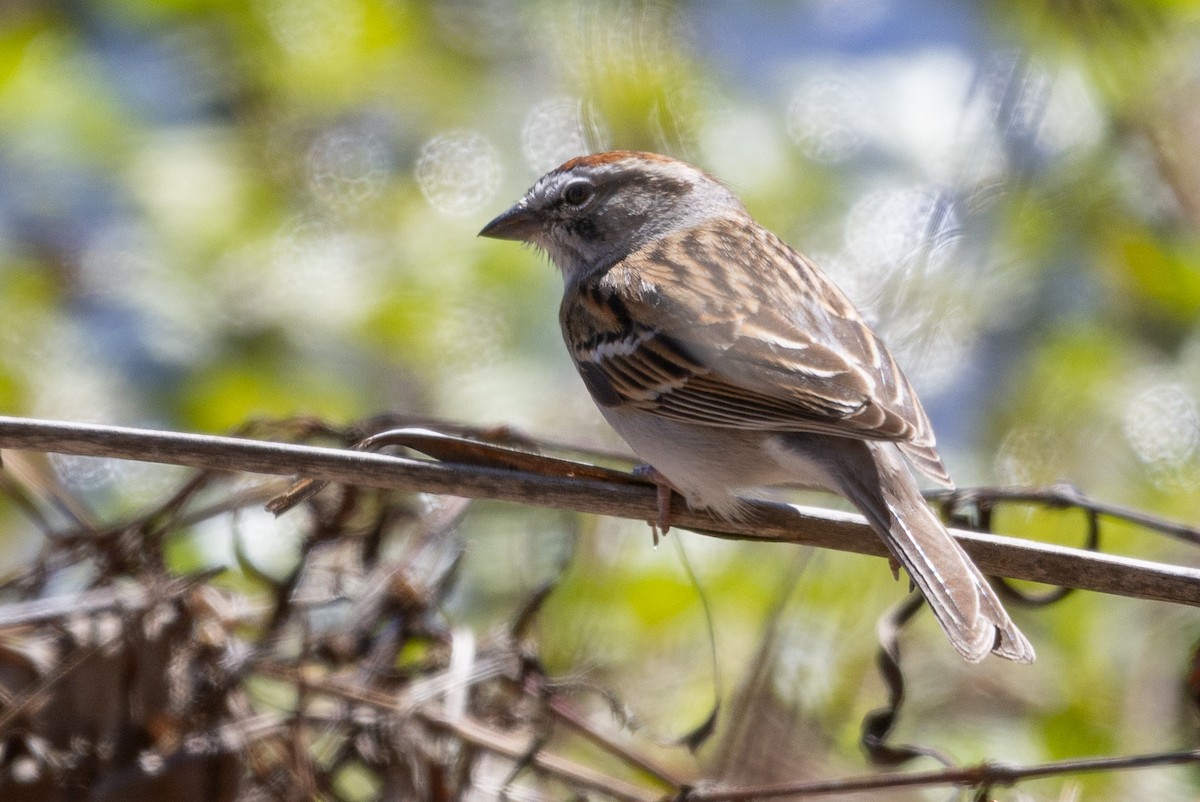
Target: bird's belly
(708,465)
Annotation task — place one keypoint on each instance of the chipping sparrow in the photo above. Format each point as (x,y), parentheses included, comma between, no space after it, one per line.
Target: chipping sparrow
(728,361)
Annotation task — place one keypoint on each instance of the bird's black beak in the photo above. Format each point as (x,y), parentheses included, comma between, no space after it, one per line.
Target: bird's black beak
(518,223)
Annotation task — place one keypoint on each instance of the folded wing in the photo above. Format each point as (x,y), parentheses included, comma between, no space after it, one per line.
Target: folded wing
(782,350)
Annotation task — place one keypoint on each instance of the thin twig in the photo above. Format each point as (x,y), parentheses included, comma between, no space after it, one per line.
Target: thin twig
(515,748)
(21,614)
(1003,556)
(981,775)
(1063,496)
(476,733)
(569,716)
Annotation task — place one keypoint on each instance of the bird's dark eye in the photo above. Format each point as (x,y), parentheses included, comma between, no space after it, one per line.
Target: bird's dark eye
(577,193)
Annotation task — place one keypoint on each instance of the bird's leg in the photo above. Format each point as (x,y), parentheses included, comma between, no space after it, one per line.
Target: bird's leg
(662,522)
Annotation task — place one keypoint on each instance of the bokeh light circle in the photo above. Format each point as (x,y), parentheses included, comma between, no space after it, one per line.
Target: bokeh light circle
(458,172)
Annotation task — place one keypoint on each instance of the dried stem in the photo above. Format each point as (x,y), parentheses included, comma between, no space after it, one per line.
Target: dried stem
(979,776)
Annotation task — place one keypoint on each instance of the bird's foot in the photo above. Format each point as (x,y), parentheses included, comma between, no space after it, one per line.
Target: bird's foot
(894,564)
(662,521)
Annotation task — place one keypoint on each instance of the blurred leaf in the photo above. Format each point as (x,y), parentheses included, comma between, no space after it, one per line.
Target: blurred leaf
(1159,278)
(227,395)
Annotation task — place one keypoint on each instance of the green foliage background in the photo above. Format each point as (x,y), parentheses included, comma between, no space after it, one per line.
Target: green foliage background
(213,210)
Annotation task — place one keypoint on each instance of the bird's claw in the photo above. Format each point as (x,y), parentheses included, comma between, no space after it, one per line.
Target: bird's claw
(662,520)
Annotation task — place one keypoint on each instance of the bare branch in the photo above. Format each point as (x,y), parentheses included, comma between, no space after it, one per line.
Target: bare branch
(620,497)
(1064,496)
(979,776)
(17,615)
(479,734)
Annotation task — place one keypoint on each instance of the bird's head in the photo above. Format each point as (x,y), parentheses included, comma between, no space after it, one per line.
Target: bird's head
(595,210)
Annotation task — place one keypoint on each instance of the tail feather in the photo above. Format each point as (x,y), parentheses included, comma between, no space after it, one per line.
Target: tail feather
(965,605)
(927,460)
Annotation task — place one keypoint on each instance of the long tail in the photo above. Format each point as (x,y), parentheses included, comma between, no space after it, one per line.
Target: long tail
(878,482)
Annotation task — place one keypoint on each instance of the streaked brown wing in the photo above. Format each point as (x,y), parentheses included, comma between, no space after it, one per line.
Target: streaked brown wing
(766,348)
(656,373)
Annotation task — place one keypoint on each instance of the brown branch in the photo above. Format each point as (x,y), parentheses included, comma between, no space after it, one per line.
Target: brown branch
(24,614)
(516,748)
(1066,497)
(1003,556)
(477,734)
(563,712)
(979,776)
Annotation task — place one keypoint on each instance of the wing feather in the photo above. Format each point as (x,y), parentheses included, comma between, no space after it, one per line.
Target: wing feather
(773,347)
